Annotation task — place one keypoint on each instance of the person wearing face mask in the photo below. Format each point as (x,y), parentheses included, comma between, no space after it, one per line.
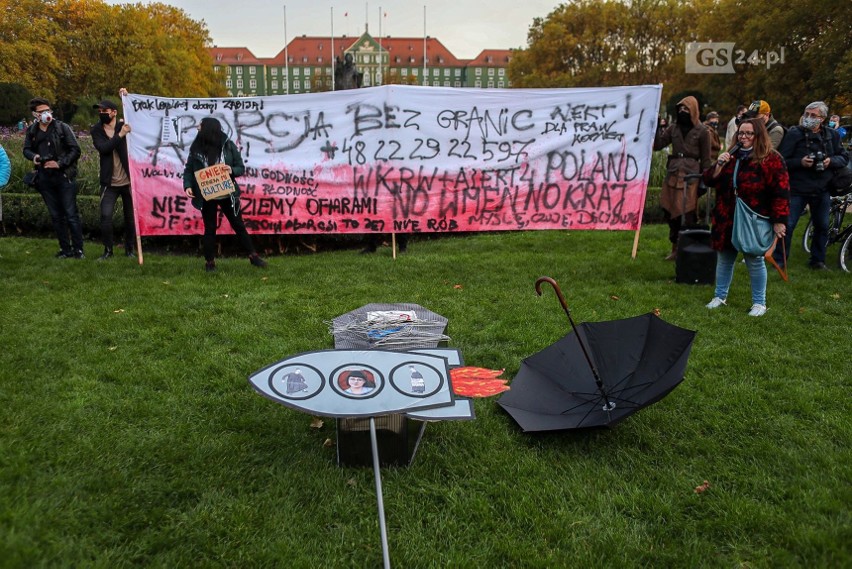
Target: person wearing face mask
(711,121)
(53,149)
(834,122)
(109,139)
(690,154)
(812,153)
(762,110)
(756,174)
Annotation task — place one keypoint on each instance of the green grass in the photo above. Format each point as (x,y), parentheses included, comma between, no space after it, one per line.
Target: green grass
(129,435)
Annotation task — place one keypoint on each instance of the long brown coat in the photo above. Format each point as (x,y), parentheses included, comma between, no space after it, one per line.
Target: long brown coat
(690,155)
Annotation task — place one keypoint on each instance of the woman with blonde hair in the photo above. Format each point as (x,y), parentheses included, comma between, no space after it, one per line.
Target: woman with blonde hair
(755,173)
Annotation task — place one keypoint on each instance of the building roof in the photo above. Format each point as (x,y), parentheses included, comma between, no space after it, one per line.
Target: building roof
(410,50)
(317,50)
(234,56)
(309,49)
(492,57)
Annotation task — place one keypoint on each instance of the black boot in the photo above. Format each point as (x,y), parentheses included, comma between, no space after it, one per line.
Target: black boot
(107,254)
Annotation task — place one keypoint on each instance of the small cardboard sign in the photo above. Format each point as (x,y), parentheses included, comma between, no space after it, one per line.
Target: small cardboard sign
(215,182)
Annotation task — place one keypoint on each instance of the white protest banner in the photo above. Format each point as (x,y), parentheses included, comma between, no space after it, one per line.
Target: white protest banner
(407,159)
(215,181)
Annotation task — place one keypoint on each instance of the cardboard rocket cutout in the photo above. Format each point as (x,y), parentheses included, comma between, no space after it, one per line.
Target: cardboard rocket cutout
(365,383)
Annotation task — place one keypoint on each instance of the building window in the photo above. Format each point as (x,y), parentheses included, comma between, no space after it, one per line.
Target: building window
(477,83)
(478,71)
(458,72)
(491,72)
(436,83)
(457,84)
(252,84)
(273,71)
(414,72)
(304,59)
(252,70)
(216,68)
(239,70)
(296,70)
(446,83)
(274,85)
(446,72)
(500,84)
(297,84)
(501,72)
(229,83)
(404,72)
(239,83)
(307,71)
(491,84)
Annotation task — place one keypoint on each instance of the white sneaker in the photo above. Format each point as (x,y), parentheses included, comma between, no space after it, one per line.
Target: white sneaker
(757,310)
(715,303)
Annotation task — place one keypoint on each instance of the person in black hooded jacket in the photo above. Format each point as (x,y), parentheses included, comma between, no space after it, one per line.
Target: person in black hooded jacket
(109,139)
(212,146)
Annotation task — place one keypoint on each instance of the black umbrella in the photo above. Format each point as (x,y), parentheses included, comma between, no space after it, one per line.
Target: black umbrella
(598,375)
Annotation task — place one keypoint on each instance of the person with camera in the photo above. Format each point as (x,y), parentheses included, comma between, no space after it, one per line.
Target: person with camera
(53,149)
(812,152)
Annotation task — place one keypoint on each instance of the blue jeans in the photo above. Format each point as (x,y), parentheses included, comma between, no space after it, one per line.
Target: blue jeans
(60,197)
(820,205)
(725,262)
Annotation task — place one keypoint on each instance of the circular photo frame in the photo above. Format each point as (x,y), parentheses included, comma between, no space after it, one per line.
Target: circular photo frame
(296,381)
(416,379)
(357,381)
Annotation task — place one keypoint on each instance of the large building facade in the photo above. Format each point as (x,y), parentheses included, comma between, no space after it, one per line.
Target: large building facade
(306,65)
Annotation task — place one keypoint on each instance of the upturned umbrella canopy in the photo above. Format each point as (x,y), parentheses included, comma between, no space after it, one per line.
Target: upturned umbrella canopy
(599,374)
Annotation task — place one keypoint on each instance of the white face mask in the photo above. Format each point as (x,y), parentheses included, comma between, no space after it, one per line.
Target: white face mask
(810,122)
(45,117)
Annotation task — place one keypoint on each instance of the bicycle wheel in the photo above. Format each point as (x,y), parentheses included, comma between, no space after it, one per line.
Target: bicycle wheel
(846,253)
(808,236)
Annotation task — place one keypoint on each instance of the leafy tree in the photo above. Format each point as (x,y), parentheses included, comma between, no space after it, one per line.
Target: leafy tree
(77,51)
(14,103)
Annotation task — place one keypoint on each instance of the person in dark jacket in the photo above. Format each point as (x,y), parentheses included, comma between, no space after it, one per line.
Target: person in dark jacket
(109,139)
(690,154)
(812,153)
(212,146)
(756,174)
(53,149)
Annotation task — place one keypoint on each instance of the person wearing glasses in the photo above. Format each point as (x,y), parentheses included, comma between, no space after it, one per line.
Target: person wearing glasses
(109,139)
(812,152)
(758,175)
(53,149)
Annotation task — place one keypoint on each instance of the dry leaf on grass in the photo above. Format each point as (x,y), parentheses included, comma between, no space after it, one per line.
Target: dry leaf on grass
(656,311)
(317,423)
(119,311)
(835,296)
(351,482)
(702,488)
(458,287)
(613,297)
(328,443)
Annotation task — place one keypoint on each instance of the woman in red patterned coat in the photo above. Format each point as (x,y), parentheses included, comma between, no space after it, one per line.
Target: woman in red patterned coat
(761,181)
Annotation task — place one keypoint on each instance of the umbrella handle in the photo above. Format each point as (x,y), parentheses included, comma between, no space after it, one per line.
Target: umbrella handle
(558,295)
(609,404)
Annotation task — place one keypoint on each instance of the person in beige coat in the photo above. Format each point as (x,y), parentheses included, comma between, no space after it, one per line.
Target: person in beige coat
(690,154)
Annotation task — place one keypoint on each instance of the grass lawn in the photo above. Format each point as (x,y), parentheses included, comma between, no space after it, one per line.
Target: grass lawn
(129,435)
